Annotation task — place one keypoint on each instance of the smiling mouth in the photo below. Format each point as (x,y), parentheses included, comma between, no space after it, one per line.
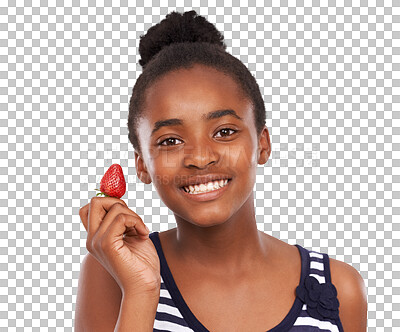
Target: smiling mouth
(205,187)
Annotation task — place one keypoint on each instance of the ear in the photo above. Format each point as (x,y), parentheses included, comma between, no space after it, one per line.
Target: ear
(264,146)
(141,169)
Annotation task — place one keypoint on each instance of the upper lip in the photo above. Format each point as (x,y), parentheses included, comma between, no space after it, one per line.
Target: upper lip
(204,179)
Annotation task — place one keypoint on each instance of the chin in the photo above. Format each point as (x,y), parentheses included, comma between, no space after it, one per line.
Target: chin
(206,219)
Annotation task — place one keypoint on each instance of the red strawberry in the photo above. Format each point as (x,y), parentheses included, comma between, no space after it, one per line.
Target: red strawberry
(113,182)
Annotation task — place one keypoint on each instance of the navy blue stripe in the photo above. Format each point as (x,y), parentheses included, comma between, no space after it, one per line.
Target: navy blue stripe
(166,317)
(317,272)
(307,328)
(316,259)
(327,268)
(304,313)
(167,301)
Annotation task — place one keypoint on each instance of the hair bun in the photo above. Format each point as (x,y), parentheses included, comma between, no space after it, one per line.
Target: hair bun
(178,28)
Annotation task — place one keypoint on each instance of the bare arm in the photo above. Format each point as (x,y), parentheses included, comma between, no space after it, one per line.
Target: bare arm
(98,299)
(137,313)
(352,296)
(101,306)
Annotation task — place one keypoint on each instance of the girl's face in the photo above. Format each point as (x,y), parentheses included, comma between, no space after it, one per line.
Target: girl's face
(198,123)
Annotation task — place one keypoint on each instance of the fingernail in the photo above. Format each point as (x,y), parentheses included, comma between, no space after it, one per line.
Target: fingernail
(147,228)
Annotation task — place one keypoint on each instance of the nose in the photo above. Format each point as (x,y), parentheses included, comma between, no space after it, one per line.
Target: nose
(200,156)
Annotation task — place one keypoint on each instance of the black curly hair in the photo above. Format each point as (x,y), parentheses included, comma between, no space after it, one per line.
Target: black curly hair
(182,40)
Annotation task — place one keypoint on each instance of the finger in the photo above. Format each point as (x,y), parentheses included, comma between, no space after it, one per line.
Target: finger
(122,224)
(98,208)
(111,215)
(83,214)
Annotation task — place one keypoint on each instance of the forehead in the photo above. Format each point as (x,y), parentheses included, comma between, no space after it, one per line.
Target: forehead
(193,91)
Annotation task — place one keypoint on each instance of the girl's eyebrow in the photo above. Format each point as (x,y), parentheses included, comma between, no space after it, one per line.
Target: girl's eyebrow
(209,116)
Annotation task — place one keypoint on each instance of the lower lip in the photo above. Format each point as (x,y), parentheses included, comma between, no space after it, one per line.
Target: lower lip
(211,195)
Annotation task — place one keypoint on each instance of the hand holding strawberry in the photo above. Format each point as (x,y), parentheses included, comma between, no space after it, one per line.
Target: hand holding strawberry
(119,239)
(113,182)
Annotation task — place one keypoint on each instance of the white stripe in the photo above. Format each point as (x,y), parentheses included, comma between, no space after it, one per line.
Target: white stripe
(165,308)
(316,254)
(317,265)
(309,321)
(165,293)
(169,326)
(319,278)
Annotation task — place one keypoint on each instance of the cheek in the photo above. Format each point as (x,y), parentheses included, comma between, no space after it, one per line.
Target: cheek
(243,159)
(241,156)
(162,159)
(165,170)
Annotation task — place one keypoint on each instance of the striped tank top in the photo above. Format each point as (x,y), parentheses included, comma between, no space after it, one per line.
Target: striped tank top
(315,308)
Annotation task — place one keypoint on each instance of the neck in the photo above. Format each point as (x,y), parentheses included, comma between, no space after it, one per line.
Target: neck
(229,248)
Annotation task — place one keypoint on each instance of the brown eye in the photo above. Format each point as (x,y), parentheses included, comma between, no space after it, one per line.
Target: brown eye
(225,132)
(171,140)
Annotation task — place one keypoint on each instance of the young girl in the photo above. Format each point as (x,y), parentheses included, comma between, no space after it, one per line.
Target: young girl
(197,124)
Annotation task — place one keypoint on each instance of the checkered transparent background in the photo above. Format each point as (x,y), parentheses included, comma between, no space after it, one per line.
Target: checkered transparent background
(330,75)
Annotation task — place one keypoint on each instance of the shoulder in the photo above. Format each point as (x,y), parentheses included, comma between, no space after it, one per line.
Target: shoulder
(352,295)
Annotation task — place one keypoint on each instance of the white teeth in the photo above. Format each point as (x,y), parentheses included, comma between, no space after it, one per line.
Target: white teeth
(205,187)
